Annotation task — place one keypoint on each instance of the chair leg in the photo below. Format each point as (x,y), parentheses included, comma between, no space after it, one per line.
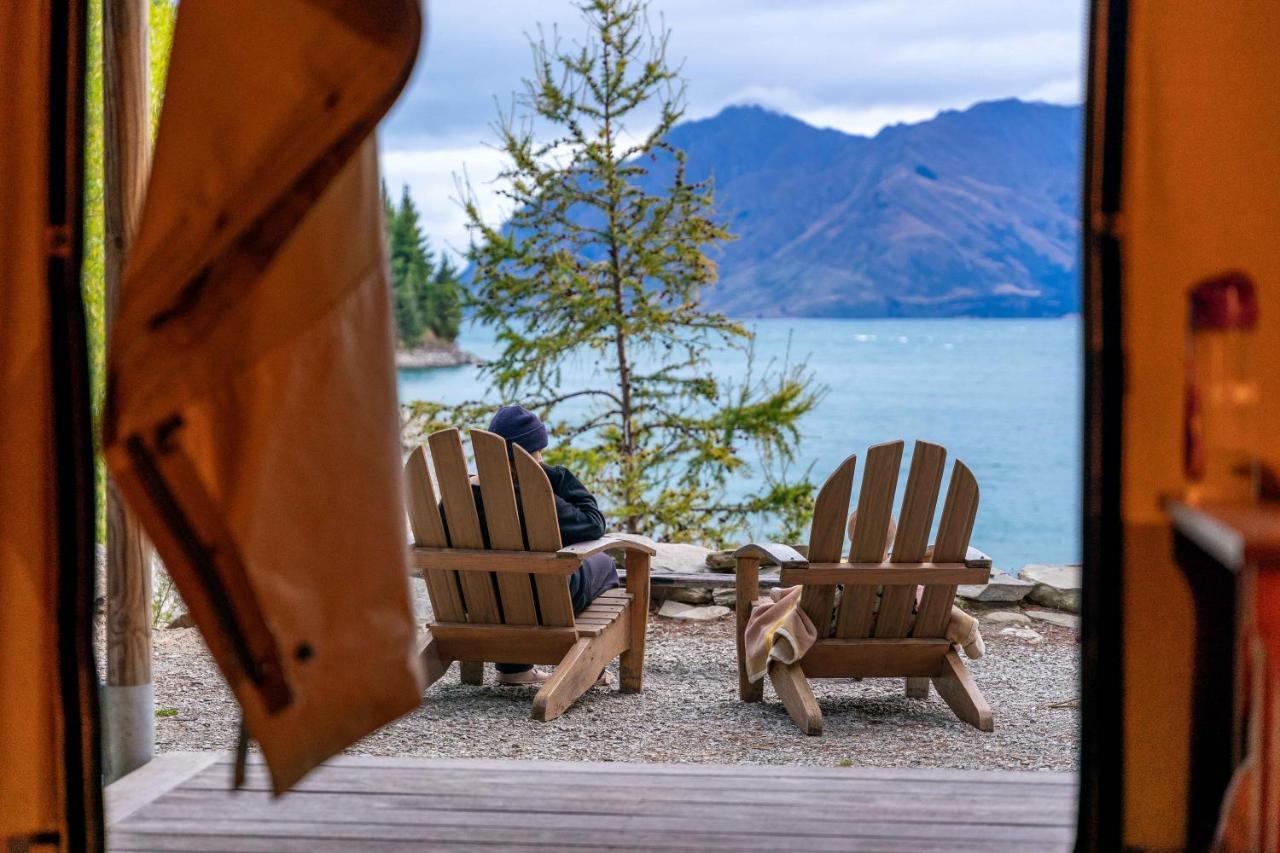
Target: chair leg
(631,662)
(957,689)
(793,689)
(472,672)
(917,688)
(574,675)
(434,665)
(748,588)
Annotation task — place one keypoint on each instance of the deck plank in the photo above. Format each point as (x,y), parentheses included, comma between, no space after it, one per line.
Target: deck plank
(406,803)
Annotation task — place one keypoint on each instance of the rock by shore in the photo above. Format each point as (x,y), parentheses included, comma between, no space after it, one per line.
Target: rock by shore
(434,354)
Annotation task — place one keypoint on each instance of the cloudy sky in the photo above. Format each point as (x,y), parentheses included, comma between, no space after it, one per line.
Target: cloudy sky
(855,65)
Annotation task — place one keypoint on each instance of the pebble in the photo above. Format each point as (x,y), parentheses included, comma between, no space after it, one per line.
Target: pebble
(1026,634)
(688,712)
(1053,617)
(671,608)
(1006,616)
(706,613)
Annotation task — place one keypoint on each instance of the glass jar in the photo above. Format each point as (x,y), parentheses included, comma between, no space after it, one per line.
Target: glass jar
(1222,390)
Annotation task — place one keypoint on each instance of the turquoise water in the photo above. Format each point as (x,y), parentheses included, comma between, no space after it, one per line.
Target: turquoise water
(1003,395)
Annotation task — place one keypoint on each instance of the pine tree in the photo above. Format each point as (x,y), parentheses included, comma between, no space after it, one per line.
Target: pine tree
(592,262)
(410,268)
(445,297)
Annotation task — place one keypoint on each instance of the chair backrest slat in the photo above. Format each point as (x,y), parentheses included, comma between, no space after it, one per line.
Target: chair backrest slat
(543,531)
(951,546)
(870,535)
(826,540)
(502,520)
(915,520)
(428,532)
(462,522)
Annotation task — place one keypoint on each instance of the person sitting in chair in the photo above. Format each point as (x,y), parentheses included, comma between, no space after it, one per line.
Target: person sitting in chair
(579,517)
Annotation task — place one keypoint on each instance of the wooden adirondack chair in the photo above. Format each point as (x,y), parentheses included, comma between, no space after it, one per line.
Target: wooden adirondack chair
(855,638)
(511,602)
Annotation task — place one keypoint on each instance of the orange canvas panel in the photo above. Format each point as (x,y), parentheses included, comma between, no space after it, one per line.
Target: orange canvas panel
(1200,196)
(50,796)
(252,417)
(29,711)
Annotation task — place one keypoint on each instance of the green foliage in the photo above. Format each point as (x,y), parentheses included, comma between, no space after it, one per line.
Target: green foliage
(162,16)
(445,300)
(591,263)
(426,297)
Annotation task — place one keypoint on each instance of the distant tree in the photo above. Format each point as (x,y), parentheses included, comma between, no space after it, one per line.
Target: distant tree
(445,297)
(592,262)
(426,297)
(410,269)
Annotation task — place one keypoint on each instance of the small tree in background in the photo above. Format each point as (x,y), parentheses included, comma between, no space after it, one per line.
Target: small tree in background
(426,298)
(444,299)
(592,262)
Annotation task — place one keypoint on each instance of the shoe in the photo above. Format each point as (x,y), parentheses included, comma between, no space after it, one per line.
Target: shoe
(528,676)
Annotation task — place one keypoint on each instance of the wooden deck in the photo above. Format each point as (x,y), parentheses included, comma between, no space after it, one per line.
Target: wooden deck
(181,801)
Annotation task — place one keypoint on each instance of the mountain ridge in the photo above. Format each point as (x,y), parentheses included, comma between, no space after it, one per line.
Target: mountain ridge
(974,212)
(971,213)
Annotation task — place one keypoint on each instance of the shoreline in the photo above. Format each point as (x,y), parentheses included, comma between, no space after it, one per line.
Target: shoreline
(435,354)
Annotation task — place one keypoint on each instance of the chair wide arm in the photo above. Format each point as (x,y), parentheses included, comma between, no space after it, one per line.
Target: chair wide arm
(582,550)
(773,552)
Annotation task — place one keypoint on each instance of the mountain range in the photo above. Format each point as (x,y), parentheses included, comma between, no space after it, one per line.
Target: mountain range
(972,213)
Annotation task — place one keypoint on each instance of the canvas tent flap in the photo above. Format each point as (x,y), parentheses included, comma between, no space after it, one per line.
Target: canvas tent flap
(28,655)
(252,419)
(49,773)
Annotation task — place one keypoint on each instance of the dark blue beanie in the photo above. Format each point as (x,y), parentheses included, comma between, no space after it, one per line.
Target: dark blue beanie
(519,426)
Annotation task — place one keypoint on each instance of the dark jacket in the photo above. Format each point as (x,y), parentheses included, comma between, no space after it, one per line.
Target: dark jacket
(576,509)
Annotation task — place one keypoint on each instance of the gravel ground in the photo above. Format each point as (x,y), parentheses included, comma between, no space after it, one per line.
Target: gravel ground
(689,711)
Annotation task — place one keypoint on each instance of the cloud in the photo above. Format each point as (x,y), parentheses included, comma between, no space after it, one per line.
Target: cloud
(429,171)
(855,65)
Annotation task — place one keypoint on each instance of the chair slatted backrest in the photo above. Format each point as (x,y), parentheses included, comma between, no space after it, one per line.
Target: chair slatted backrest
(898,616)
(950,546)
(504,596)
(826,540)
(915,521)
(870,535)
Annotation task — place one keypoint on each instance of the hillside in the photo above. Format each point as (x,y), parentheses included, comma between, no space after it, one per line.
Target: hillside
(974,212)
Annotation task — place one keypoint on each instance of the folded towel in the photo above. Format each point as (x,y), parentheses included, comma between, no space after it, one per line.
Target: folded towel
(962,629)
(777,630)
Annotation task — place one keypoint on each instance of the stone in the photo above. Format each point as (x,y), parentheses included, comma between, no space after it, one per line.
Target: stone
(682,594)
(1026,634)
(1054,617)
(1006,616)
(673,557)
(721,561)
(707,613)
(725,596)
(672,609)
(184,620)
(1002,588)
(1057,587)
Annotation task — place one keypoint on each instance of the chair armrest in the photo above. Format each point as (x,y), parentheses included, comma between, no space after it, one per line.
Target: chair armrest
(784,555)
(582,550)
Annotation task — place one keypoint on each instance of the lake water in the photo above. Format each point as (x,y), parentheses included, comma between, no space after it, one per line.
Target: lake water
(1003,395)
